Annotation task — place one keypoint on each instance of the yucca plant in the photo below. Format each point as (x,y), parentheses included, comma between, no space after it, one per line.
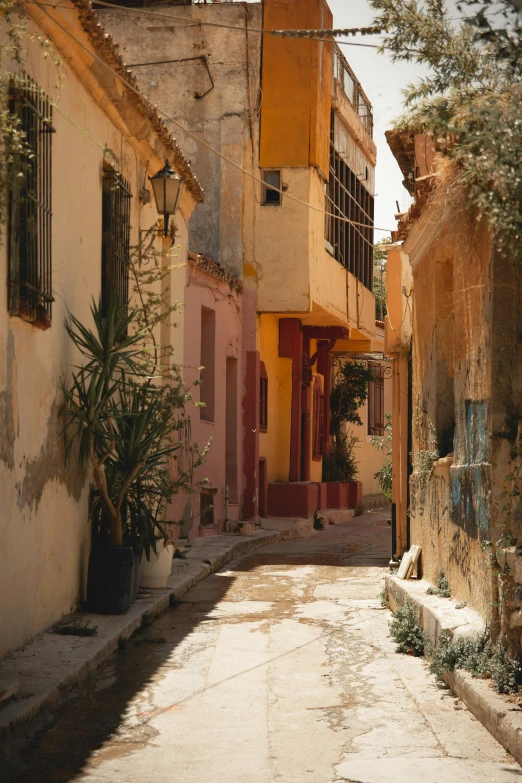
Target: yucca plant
(124,424)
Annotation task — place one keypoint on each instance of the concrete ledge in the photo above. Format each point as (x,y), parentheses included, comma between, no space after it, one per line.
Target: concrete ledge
(288,528)
(334,516)
(51,665)
(377,500)
(438,616)
(500,717)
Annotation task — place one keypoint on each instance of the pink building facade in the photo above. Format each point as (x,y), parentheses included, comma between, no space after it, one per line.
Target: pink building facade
(213,369)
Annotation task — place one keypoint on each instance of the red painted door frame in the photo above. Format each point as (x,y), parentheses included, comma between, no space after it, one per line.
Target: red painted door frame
(251,436)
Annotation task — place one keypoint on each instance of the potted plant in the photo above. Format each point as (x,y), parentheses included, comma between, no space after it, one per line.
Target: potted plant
(124,423)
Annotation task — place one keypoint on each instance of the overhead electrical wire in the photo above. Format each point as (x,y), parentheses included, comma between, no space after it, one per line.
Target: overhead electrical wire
(293,34)
(315,34)
(201,141)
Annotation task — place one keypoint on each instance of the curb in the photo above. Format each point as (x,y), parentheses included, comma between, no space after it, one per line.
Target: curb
(49,666)
(438,616)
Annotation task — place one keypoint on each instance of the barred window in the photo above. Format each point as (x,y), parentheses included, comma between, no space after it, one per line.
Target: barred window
(115,238)
(30,206)
(347,199)
(376,401)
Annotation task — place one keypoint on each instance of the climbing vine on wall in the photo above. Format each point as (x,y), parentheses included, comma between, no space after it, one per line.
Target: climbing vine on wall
(14,150)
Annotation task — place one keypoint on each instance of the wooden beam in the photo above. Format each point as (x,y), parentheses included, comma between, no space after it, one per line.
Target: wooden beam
(326,332)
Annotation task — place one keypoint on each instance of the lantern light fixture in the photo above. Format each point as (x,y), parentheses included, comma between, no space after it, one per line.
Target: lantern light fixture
(167,187)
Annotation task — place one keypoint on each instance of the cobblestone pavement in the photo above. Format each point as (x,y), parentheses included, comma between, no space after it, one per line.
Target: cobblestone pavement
(276,668)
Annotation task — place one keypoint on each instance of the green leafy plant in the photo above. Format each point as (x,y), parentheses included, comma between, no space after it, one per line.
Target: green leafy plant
(471,98)
(479,657)
(443,589)
(349,392)
(379,277)
(383,597)
(405,632)
(384,476)
(126,424)
(340,463)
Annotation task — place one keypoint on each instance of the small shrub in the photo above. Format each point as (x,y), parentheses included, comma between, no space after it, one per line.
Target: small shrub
(443,589)
(383,597)
(179,554)
(359,510)
(318,521)
(405,632)
(480,658)
(505,672)
(146,620)
(76,628)
(340,463)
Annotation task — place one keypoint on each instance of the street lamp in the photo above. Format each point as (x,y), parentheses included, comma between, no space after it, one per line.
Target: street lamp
(167,188)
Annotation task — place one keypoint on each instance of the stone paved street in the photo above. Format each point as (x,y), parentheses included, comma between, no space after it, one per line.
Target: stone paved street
(277,668)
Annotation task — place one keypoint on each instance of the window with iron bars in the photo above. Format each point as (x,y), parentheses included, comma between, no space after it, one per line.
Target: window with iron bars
(30,206)
(376,400)
(116,198)
(346,197)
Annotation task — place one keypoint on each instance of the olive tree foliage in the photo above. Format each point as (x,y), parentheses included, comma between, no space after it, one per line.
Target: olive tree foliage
(471,97)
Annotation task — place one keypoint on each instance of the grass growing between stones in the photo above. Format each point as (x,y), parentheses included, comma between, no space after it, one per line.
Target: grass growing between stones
(443,589)
(481,658)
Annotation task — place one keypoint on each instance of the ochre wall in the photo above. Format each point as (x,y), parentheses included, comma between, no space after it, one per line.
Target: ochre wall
(369,457)
(274,444)
(297,87)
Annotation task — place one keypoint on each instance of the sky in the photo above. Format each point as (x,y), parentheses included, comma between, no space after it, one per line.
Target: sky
(382,82)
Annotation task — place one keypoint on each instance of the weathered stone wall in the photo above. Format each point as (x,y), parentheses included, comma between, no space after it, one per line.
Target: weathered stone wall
(225,115)
(450,497)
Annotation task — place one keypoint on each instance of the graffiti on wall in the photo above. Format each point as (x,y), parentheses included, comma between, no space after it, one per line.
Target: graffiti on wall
(471,469)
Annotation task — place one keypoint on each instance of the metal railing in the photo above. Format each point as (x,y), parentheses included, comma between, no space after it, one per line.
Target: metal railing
(351,87)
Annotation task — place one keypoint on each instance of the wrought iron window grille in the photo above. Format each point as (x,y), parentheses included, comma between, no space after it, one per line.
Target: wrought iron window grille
(116,199)
(30,206)
(346,197)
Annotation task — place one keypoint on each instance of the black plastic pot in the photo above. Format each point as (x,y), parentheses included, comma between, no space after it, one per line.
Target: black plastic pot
(110,580)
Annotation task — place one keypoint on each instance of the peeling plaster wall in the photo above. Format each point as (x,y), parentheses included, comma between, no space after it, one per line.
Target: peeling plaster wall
(44,526)
(450,508)
(226,117)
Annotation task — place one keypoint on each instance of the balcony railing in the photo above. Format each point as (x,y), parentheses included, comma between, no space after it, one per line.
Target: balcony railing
(352,88)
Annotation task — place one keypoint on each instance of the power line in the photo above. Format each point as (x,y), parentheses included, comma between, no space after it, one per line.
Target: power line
(293,34)
(202,141)
(315,34)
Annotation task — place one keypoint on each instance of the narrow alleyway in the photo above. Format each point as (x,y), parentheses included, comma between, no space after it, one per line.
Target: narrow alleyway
(277,668)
